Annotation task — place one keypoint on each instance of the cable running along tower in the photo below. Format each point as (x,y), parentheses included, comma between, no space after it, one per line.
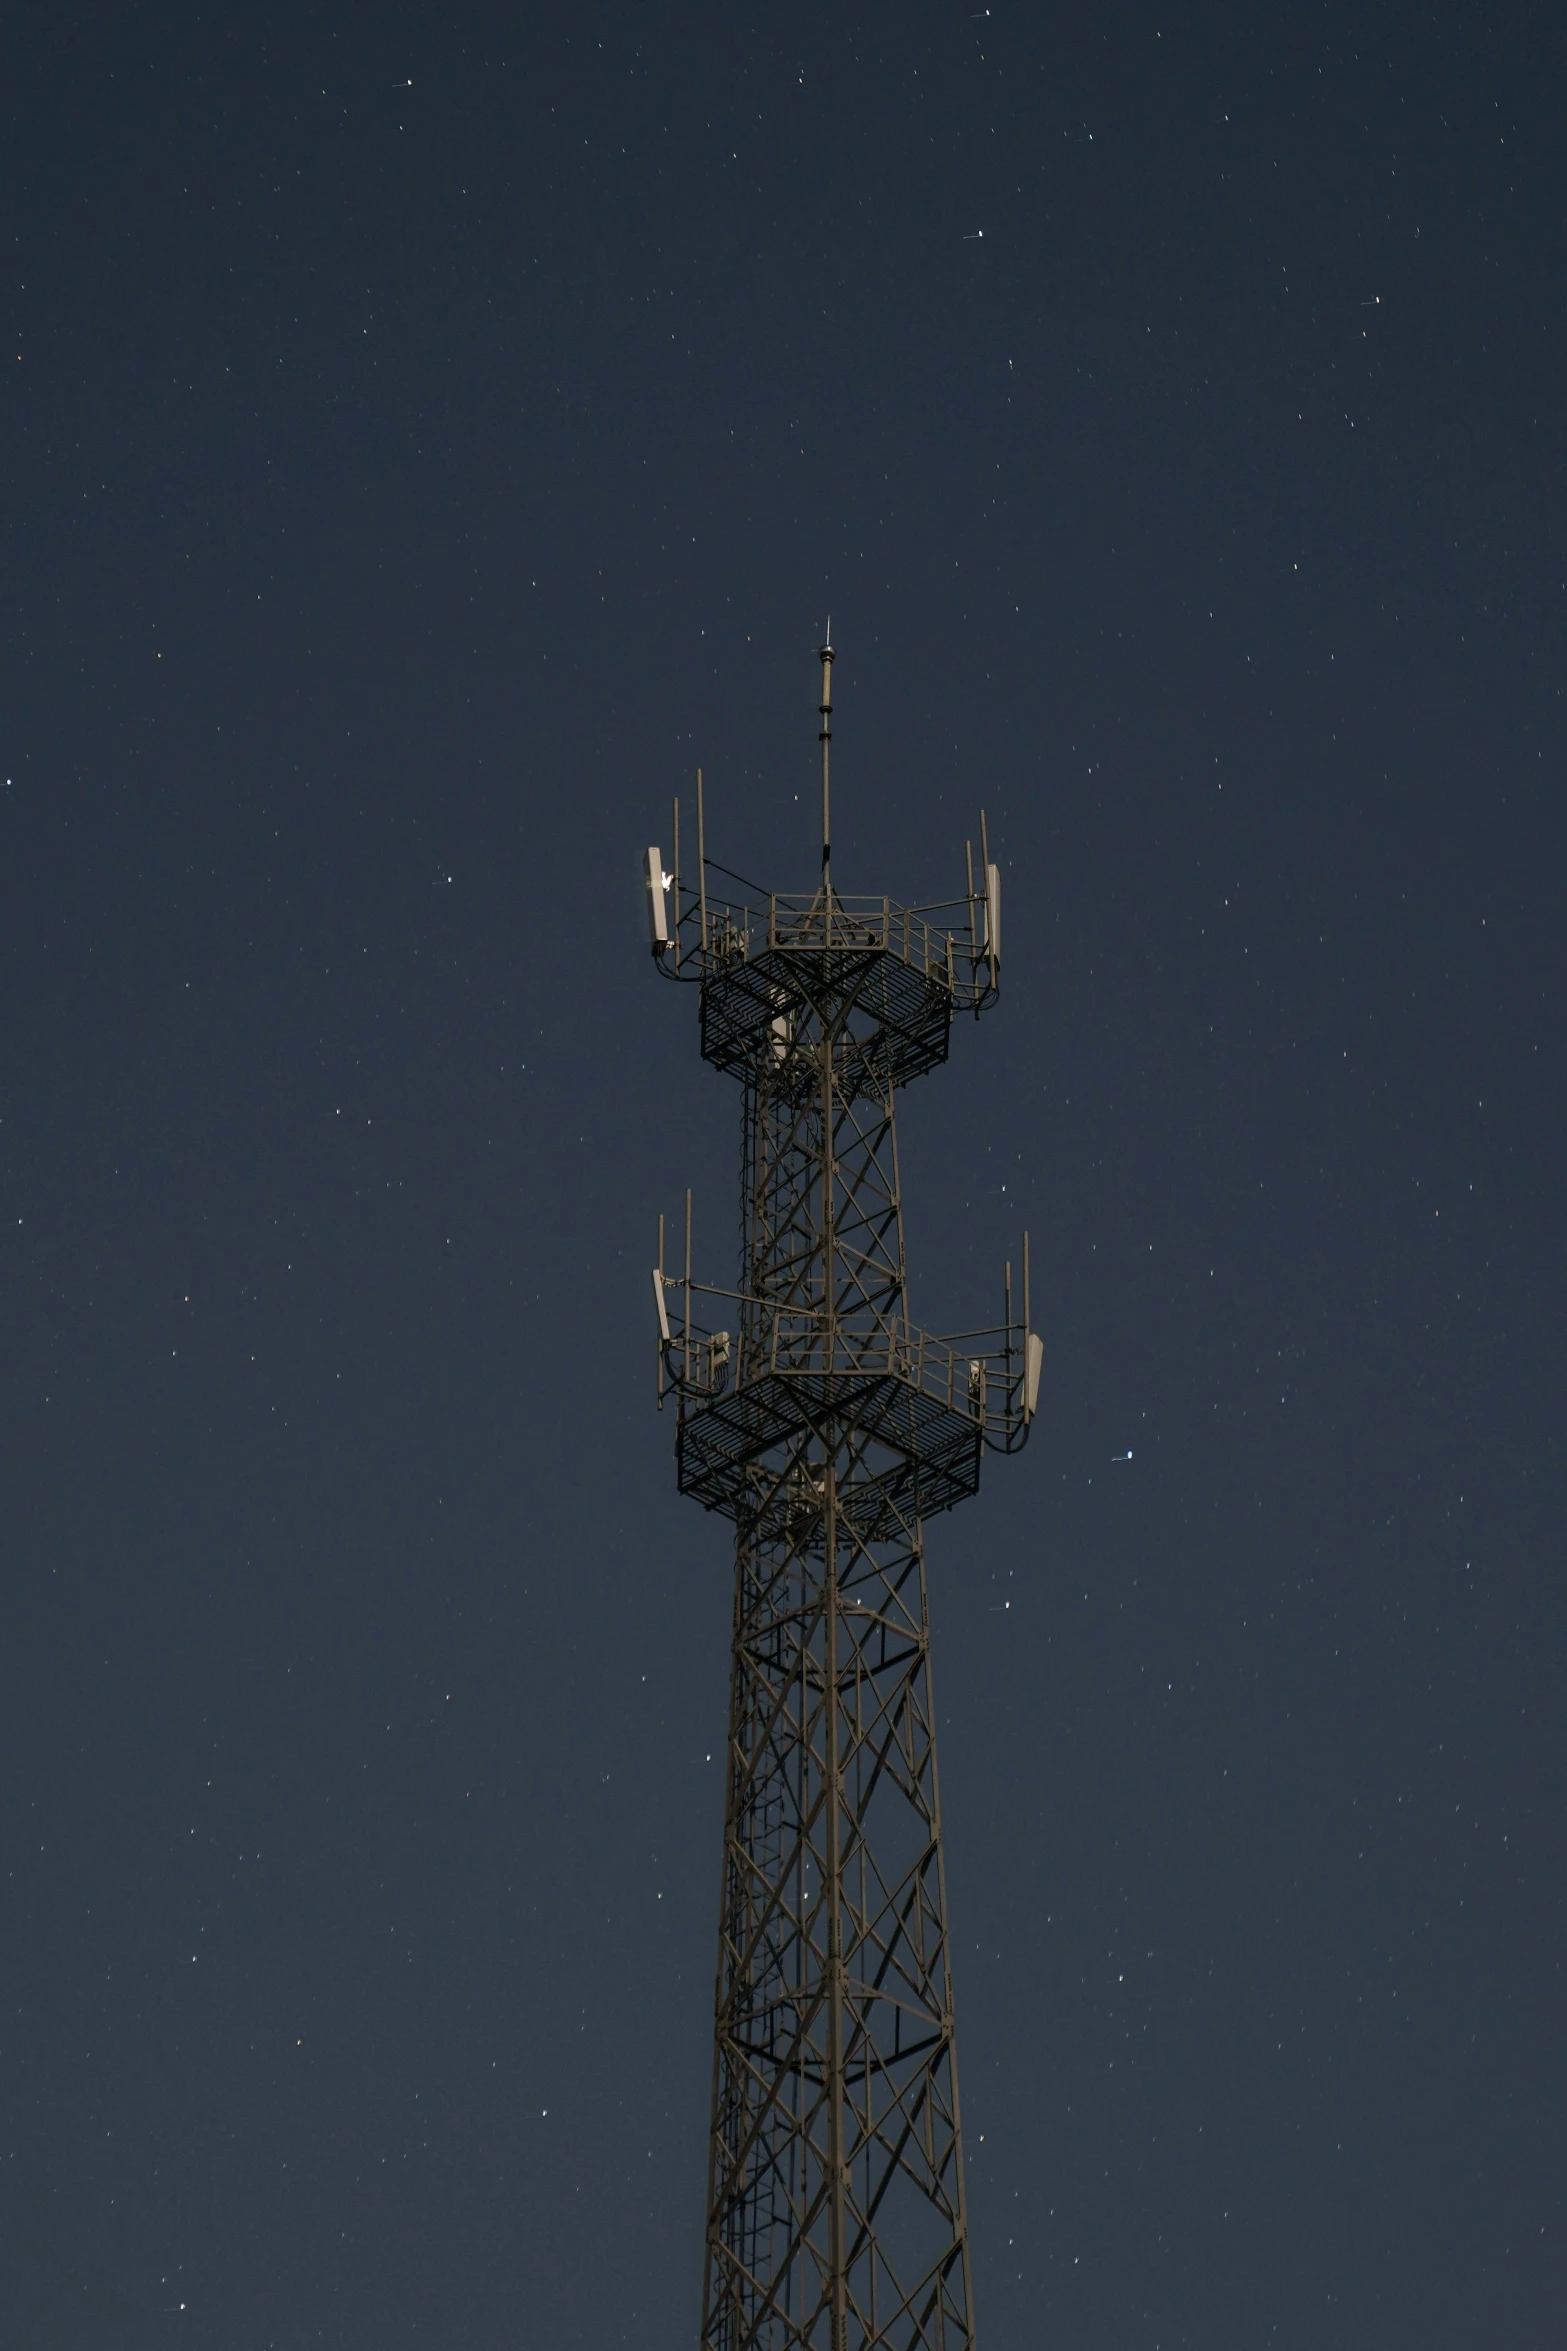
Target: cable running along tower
(813,1413)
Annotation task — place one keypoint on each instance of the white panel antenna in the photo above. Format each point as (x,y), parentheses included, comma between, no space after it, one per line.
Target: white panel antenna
(993,918)
(657,904)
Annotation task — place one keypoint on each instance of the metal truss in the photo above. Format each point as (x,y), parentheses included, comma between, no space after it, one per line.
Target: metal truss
(827,1427)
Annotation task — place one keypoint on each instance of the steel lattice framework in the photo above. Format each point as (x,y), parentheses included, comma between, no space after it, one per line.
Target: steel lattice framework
(827,1427)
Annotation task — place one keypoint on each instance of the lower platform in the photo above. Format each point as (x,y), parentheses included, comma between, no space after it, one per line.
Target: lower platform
(728,1449)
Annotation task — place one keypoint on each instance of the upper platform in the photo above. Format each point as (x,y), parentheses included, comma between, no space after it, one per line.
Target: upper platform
(883,979)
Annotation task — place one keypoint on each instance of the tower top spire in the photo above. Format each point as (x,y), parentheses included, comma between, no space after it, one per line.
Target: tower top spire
(825,655)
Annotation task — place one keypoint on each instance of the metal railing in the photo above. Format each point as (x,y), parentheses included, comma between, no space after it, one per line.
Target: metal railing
(709,936)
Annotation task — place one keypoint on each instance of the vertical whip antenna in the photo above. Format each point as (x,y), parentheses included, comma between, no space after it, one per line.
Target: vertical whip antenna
(824,654)
(674,882)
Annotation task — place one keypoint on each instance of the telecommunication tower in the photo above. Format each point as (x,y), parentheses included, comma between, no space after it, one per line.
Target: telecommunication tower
(813,1413)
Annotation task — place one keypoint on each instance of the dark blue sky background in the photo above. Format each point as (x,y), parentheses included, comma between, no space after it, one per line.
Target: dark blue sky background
(427,437)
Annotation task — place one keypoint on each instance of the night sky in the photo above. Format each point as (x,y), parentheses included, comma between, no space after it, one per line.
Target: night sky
(429,436)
